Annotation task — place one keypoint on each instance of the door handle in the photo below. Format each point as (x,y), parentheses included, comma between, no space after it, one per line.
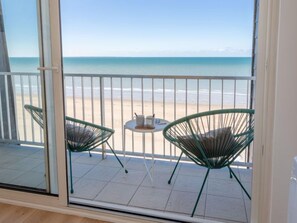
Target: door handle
(47,68)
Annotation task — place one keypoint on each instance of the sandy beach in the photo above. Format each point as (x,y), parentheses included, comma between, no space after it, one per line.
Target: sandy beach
(116,113)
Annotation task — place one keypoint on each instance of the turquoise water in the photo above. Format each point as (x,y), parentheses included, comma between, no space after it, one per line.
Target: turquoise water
(200,66)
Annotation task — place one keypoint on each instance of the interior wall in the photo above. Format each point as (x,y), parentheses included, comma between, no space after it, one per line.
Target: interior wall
(285,119)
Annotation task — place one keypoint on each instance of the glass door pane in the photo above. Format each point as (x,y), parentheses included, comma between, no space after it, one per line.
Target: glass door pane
(127,58)
(25,157)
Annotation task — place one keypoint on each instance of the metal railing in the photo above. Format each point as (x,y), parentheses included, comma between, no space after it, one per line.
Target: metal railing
(27,90)
(111,100)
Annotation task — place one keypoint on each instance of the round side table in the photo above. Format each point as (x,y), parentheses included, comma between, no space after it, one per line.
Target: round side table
(131,125)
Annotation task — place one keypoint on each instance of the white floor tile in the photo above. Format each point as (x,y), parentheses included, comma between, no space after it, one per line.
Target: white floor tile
(228,188)
(105,180)
(7,175)
(248,209)
(102,173)
(29,179)
(74,179)
(9,159)
(192,169)
(223,173)
(85,158)
(189,184)
(160,180)
(5,149)
(87,188)
(246,175)
(38,155)
(133,177)
(148,197)
(248,187)
(225,208)
(79,170)
(42,185)
(74,155)
(117,193)
(164,166)
(184,202)
(112,161)
(25,164)
(25,151)
(40,168)
(138,164)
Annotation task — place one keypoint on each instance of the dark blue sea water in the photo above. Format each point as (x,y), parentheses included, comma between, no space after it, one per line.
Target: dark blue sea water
(201,66)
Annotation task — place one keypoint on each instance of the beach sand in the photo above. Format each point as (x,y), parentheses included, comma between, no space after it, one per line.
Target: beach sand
(116,113)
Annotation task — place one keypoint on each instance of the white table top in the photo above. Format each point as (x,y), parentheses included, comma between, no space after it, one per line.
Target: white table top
(158,127)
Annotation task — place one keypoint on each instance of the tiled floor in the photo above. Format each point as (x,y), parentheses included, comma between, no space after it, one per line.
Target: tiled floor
(222,199)
(104,181)
(22,166)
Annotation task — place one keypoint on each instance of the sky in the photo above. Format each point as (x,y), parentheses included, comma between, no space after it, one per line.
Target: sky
(137,27)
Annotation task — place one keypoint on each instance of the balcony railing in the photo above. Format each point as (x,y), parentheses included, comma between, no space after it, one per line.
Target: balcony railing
(111,100)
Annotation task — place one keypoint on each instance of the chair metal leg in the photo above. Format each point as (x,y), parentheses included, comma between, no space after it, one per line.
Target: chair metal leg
(200,192)
(70,164)
(239,182)
(126,171)
(90,154)
(169,181)
(230,174)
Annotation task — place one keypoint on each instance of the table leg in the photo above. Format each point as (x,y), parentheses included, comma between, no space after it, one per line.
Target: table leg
(153,154)
(144,160)
(124,147)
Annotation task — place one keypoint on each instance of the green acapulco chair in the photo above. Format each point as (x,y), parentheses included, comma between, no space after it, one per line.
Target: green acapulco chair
(81,136)
(212,139)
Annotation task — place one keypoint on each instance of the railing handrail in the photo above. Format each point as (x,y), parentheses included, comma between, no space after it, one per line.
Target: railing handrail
(20,73)
(162,76)
(158,76)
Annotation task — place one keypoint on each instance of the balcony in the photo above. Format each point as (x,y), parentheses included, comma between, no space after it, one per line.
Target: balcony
(111,100)
(103,183)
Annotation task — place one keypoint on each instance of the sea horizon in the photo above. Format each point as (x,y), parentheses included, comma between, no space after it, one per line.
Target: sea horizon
(197,66)
(140,56)
(129,66)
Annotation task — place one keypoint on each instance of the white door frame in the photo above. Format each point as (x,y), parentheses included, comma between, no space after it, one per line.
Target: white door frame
(265,105)
(58,97)
(265,91)
(53,102)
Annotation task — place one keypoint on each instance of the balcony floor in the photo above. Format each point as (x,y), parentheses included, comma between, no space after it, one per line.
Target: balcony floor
(103,181)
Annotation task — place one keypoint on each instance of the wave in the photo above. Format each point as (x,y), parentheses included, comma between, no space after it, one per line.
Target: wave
(87,90)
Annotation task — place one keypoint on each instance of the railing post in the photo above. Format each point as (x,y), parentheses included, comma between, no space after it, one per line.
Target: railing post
(102,112)
(8,113)
(140,91)
(248,158)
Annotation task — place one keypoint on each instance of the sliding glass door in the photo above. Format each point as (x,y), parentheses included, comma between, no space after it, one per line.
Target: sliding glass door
(27,126)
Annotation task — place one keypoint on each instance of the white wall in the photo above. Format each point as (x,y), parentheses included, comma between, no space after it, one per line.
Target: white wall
(285,119)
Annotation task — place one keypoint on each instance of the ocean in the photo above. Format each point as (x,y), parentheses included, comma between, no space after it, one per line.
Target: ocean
(200,66)
(179,66)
